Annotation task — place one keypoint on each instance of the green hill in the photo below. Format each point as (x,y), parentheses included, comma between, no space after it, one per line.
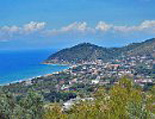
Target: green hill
(90,52)
(145,48)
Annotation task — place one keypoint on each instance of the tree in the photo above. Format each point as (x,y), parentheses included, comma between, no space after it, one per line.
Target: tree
(32,105)
(28,107)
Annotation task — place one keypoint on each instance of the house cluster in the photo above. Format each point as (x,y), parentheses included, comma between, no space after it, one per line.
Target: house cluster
(140,68)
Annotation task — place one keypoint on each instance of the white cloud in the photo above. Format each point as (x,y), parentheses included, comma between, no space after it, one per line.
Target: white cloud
(75,27)
(33,26)
(81,26)
(102,26)
(11,29)
(125,28)
(9,32)
(27,28)
(146,25)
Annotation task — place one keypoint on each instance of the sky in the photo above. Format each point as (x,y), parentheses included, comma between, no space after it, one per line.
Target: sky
(56,24)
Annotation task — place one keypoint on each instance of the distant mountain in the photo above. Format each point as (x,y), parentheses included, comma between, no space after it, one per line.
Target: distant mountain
(90,52)
(144,48)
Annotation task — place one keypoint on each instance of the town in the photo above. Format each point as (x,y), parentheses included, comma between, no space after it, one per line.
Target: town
(140,69)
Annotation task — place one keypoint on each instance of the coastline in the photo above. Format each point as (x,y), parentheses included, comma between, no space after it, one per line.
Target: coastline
(44,75)
(56,63)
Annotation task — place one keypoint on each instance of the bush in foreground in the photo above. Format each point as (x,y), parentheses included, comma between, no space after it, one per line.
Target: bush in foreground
(122,101)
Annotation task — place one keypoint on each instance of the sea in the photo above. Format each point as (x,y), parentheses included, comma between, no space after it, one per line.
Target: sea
(22,65)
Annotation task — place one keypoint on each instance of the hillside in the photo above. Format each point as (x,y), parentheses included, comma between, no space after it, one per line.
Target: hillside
(91,52)
(81,52)
(145,48)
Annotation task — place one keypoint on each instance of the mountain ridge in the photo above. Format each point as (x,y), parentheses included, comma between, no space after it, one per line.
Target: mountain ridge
(91,52)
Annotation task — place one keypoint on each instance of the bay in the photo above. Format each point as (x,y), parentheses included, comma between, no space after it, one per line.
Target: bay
(21,65)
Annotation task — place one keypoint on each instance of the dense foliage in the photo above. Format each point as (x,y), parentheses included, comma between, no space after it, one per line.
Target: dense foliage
(27,107)
(123,101)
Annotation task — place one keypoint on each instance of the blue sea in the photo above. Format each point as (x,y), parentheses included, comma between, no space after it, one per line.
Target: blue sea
(22,65)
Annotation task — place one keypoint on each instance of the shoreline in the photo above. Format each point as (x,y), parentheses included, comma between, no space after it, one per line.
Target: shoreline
(61,64)
(35,77)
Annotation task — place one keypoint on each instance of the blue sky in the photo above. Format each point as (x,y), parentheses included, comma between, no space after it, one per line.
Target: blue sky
(41,24)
